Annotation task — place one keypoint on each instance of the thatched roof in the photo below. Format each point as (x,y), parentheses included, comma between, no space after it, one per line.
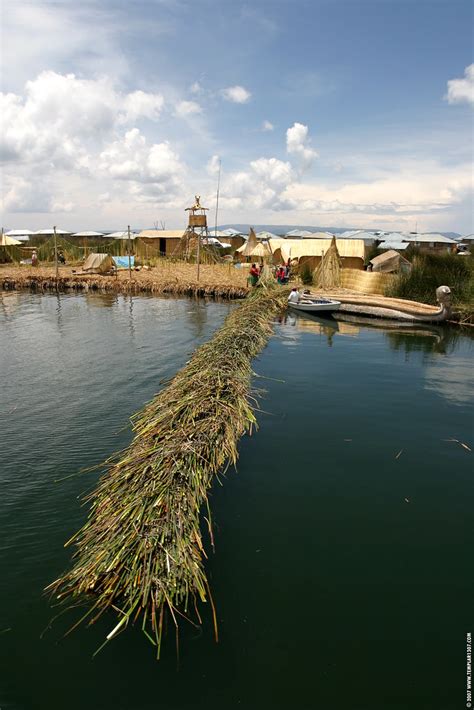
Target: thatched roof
(6,241)
(390,261)
(161,233)
(298,248)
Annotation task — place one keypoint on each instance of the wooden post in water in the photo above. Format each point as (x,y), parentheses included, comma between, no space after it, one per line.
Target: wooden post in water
(129,257)
(56,252)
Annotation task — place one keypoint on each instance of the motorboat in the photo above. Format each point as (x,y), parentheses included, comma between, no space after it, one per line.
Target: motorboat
(315,305)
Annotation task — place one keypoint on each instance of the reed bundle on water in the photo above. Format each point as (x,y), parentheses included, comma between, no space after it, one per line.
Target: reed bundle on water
(141,552)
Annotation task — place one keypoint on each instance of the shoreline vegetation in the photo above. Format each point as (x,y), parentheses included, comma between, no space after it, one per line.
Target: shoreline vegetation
(432,270)
(141,552)
(216,280)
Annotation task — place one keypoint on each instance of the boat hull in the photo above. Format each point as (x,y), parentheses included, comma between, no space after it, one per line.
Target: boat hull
(316,306)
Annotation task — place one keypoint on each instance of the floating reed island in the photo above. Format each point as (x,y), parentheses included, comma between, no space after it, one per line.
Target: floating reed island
(177,278)
(141,552)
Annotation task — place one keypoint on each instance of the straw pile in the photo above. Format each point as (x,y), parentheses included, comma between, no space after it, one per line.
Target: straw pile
(141,551)
(328,273)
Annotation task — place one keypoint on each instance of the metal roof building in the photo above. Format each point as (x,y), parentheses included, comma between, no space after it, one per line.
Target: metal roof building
(397,246)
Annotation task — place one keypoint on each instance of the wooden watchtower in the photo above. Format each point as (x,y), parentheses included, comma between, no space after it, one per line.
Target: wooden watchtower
(196,230)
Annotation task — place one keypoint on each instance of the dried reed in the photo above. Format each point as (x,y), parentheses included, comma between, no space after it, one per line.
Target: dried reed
(328,272)
(141,550)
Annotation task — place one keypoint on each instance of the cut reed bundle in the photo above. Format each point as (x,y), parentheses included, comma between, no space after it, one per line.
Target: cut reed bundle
(328,272)
(141,551)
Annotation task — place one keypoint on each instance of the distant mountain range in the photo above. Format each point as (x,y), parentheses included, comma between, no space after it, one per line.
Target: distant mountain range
(280,229)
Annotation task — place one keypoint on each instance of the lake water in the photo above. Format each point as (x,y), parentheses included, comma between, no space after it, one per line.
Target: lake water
(342,573)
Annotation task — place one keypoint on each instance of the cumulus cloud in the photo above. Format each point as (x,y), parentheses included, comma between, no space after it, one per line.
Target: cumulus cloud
(61,116)
(236,94)
(32,195)
(140,104)
(410,190)
(263,186)
(462,90)
(267,126)
(298,144)
(213,165)
(154,170)
(187,108)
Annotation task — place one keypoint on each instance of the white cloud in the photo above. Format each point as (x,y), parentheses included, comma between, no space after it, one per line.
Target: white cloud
(213,165)
(33,195)
(195,88)
(23,196)
(298,144)
(61,117)
(236,94)
(263,186)
(462,90)
(187,108)
(42,34)
(140,104)
(267,126)
(153,170)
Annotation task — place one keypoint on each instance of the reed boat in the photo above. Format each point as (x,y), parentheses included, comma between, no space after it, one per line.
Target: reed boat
(316,305)
(395,308)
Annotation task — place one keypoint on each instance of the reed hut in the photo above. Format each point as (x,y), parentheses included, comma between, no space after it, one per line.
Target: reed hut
(160,242)
(301,251)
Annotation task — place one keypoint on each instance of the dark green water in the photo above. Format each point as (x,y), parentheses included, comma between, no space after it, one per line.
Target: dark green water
(332,590)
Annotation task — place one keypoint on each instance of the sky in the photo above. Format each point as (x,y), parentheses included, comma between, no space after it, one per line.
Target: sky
(342,113)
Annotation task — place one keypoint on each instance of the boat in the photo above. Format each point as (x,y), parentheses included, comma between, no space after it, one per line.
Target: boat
(397,308)
(315,305)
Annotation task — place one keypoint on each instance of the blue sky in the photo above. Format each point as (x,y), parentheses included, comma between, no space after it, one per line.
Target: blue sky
(333,113)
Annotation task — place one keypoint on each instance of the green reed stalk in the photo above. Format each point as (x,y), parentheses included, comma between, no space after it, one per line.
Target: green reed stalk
(141,551)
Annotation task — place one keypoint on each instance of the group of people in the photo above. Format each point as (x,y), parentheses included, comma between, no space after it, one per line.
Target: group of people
(282,273)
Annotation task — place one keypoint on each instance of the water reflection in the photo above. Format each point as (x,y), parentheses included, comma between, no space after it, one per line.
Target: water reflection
(197,317)
(101,300)
(310,323)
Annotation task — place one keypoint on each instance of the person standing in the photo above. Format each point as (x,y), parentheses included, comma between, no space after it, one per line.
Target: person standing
(254,275)
(34,258)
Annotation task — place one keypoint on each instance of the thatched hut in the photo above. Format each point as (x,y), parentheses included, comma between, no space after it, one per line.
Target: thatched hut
(164,242)
(351,251)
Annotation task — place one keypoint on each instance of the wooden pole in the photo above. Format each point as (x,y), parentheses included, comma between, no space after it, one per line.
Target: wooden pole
(129,257)
(217,196)
(322,269)
(198,255)
(56,252)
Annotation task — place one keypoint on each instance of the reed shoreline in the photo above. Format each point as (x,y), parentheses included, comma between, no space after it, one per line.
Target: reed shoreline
(215,281)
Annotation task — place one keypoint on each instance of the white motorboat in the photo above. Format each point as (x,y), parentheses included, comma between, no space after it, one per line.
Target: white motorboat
(315,305)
